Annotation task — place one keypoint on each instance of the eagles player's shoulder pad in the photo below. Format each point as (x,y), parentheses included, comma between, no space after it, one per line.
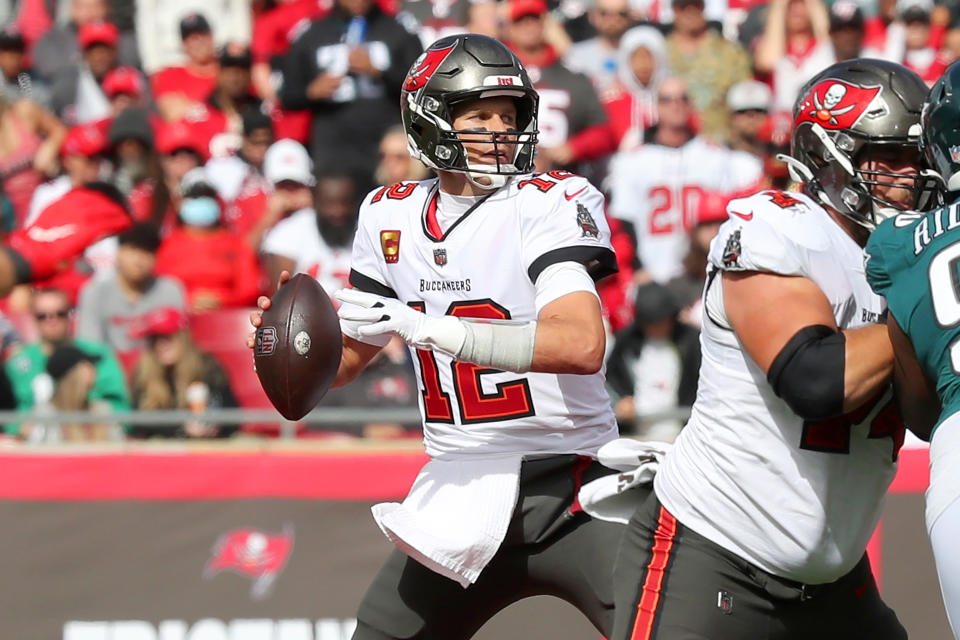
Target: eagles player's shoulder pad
(769,231)
(890,249)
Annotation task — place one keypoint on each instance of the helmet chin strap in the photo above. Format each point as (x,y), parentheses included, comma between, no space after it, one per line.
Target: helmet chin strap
(486,181)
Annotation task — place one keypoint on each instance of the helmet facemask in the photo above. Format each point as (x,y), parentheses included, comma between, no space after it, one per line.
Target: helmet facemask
(451,73)
(835,175)
(513,149)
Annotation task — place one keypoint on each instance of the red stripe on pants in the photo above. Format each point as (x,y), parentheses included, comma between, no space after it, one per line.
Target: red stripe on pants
(656,571)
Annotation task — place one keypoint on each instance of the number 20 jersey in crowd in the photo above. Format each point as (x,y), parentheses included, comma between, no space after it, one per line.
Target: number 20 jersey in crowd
(798,499)
(485,265)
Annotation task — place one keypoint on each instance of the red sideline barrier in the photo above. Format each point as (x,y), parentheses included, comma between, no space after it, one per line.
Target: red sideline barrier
(211,475)
(200,475)
(207,475)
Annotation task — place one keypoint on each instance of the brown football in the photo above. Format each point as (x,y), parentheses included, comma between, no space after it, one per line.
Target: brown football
(298,347)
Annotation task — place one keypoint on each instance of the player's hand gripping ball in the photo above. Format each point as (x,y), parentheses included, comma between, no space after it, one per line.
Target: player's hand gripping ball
(298,347)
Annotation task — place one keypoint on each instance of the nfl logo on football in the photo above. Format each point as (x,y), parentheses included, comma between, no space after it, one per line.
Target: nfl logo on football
(440,257)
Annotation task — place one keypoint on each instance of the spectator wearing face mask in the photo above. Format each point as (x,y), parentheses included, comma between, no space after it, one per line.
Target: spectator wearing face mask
(216,266)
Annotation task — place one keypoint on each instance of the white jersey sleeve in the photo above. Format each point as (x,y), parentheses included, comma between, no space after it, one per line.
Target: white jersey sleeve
(367,271)
(370,246)
(768,231)
(565,223)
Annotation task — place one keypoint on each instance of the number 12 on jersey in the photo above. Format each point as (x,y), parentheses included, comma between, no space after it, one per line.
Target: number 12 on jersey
(512,399)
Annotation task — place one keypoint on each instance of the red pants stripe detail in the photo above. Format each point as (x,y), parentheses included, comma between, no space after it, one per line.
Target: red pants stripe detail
(656,572)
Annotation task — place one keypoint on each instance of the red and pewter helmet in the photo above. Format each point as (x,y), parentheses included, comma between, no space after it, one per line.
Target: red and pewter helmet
(460,68)
(847,112)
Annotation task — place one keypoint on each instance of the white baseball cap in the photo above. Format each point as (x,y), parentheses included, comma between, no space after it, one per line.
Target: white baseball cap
(196,177)
(748,94)
(288,160)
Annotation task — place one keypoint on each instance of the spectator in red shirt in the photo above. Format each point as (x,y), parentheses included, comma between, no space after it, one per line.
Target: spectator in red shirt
(216,266)
(178,89)
(218,122)
(632,104)
(82,154)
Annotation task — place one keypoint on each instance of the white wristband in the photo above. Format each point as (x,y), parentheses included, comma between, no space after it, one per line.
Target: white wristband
(508,347)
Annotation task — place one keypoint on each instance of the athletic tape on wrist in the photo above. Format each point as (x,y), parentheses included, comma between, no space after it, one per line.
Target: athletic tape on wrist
(508,347)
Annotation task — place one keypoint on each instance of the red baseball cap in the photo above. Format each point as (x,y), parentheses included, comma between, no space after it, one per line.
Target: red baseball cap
(178,135)
(522,8)
(98,33)
(164,321)
(125,80)
(85,140)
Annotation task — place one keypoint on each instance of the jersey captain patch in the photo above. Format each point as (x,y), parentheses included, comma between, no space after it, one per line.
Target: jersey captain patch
(588,226)
(390,245)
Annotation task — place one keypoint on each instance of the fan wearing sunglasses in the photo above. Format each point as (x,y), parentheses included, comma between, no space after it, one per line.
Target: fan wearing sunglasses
(30,372)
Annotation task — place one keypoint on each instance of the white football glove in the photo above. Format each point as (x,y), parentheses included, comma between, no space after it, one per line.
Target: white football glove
(379,315)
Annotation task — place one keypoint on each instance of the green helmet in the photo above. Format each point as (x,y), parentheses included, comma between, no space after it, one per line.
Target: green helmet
(940,138)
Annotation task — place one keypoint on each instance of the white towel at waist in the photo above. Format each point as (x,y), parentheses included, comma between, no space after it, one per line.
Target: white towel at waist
(610,497)
(456,515)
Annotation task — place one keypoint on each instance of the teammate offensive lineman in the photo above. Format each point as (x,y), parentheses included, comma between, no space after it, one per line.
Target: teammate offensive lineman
(912,262)
(487,273)
(761,513)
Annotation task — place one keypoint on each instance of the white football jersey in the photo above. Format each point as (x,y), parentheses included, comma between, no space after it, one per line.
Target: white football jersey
(298,238)
(657,189)
(485,266)
(797,499)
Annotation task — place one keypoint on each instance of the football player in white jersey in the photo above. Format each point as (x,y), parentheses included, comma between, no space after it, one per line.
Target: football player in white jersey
(656,189)
(487,272)
(762,511)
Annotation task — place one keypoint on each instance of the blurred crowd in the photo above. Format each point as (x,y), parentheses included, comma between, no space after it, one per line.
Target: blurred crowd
(245,134)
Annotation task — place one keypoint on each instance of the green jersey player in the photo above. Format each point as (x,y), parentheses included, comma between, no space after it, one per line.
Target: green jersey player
(914,261)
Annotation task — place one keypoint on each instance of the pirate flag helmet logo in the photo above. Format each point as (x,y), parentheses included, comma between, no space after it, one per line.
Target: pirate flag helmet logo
(837,104)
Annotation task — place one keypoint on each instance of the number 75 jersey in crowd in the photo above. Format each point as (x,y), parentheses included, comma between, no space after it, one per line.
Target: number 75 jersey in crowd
(913,260)
(485,266)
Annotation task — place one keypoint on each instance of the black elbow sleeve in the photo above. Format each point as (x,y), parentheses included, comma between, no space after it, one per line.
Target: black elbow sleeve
(808,372)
